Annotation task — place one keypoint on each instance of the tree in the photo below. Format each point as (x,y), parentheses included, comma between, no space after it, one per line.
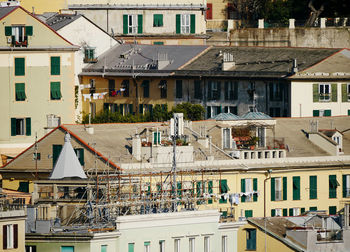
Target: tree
(193,112)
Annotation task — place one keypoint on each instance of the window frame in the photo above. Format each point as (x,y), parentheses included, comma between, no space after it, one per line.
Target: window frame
(325,97)
(22,92)
(55,69)
(132,28)
(87,54)
(22,71)
(346,185)
(24,130)
(17,39)
(185,24)
(54,94)
(251,238)
(158,20)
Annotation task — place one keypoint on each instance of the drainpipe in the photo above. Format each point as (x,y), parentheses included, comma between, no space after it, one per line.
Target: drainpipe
(268,176)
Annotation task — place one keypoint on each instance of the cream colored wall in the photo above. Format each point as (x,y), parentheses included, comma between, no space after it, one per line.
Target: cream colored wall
(111,2)
(41,6)
(20,220)
(42,34)
(166,40)
(37,87)
(115,20)
(154,93)
(302,100)
(219,9)
(272,244)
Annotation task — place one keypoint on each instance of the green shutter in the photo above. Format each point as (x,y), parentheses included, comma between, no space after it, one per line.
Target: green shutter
(145,84)
(255,188)
(273,212)
(20,92)
(285,212)
(178,23)
(8,30)
(55,65)
(28,126)
(158,43)
(248,213)
(223,189)
(193,23)
(284,188)
(296,188)
(235,92)
(290,211)
(125,24)
(56,150)
(334,92)
(243,189)
(316,94)
(130,109)
(251,242)
(179,187)
(55,90)
(19,66)
(131,247)
(29,30)
(332,186)
(80,154)
(344,186)
(332,210)
(210,190)
(139,24)
(313,187)
(178,88)
(158,20)
(316,113)
(344,93)
(23,187)
(273,192)
(327,112)
(302,210)
(313,208)
(13,126)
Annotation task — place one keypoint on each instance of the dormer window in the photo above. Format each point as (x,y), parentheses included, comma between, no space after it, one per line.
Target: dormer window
(18,35)
(89,53)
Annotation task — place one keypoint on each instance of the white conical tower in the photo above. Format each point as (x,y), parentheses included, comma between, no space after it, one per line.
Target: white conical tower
(67,165)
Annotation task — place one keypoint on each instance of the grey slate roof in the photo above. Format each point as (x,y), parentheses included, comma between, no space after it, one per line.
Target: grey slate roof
(121,58)
(226,117)
(58,21)
(6,10)
(256,116)
(257,61)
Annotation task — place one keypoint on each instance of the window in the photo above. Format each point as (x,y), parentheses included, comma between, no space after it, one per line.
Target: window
(89,54)
(224,243)
(178,89)
(249,186)
(322,112)
(145,85)
(313,208)
(197,89)
(177,245)
(30,248)
(103,248)
(23,186)
(213,111)
(20,92)
(56,151)
(276,212)
(333,183)
(80,155)
(185,23)
(19,66)
(157,20)
(313,187)
(55,92)
(276,91)
(111,87)
(325,92)
(332,210)
(125,88)
(157,137)
(20,126)
(346,186)
(131,247)
(161,246)
(36,156)
(10,236)
(67,248)
(230,109)
(275,112)
(223,189)
(55,65)
(231,90)
(262,136)
(345,92)
(132,24)
(163,88)
(226,138)
(206,244)
(294,211)
(278,189)
(251,239)
(296,188)
(248,213)
(191,244)
(214,90)
(147,246)
(19,34)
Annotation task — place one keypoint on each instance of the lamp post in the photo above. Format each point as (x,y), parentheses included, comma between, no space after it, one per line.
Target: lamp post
(268,176)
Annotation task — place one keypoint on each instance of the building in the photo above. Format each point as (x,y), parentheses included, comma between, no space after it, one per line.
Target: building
(37,86)
(135,78)
(151,22)
(92,40)
(12,224)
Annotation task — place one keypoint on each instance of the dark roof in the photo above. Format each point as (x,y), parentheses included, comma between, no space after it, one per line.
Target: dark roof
(257,61)
(143,58)
(328,132)
(6,10)
(58,21)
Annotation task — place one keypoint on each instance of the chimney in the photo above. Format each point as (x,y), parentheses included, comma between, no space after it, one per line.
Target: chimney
(136,147)
(295,66)
(228,63)
(162,60)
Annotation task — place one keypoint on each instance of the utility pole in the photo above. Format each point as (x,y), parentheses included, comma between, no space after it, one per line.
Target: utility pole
(174,162)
